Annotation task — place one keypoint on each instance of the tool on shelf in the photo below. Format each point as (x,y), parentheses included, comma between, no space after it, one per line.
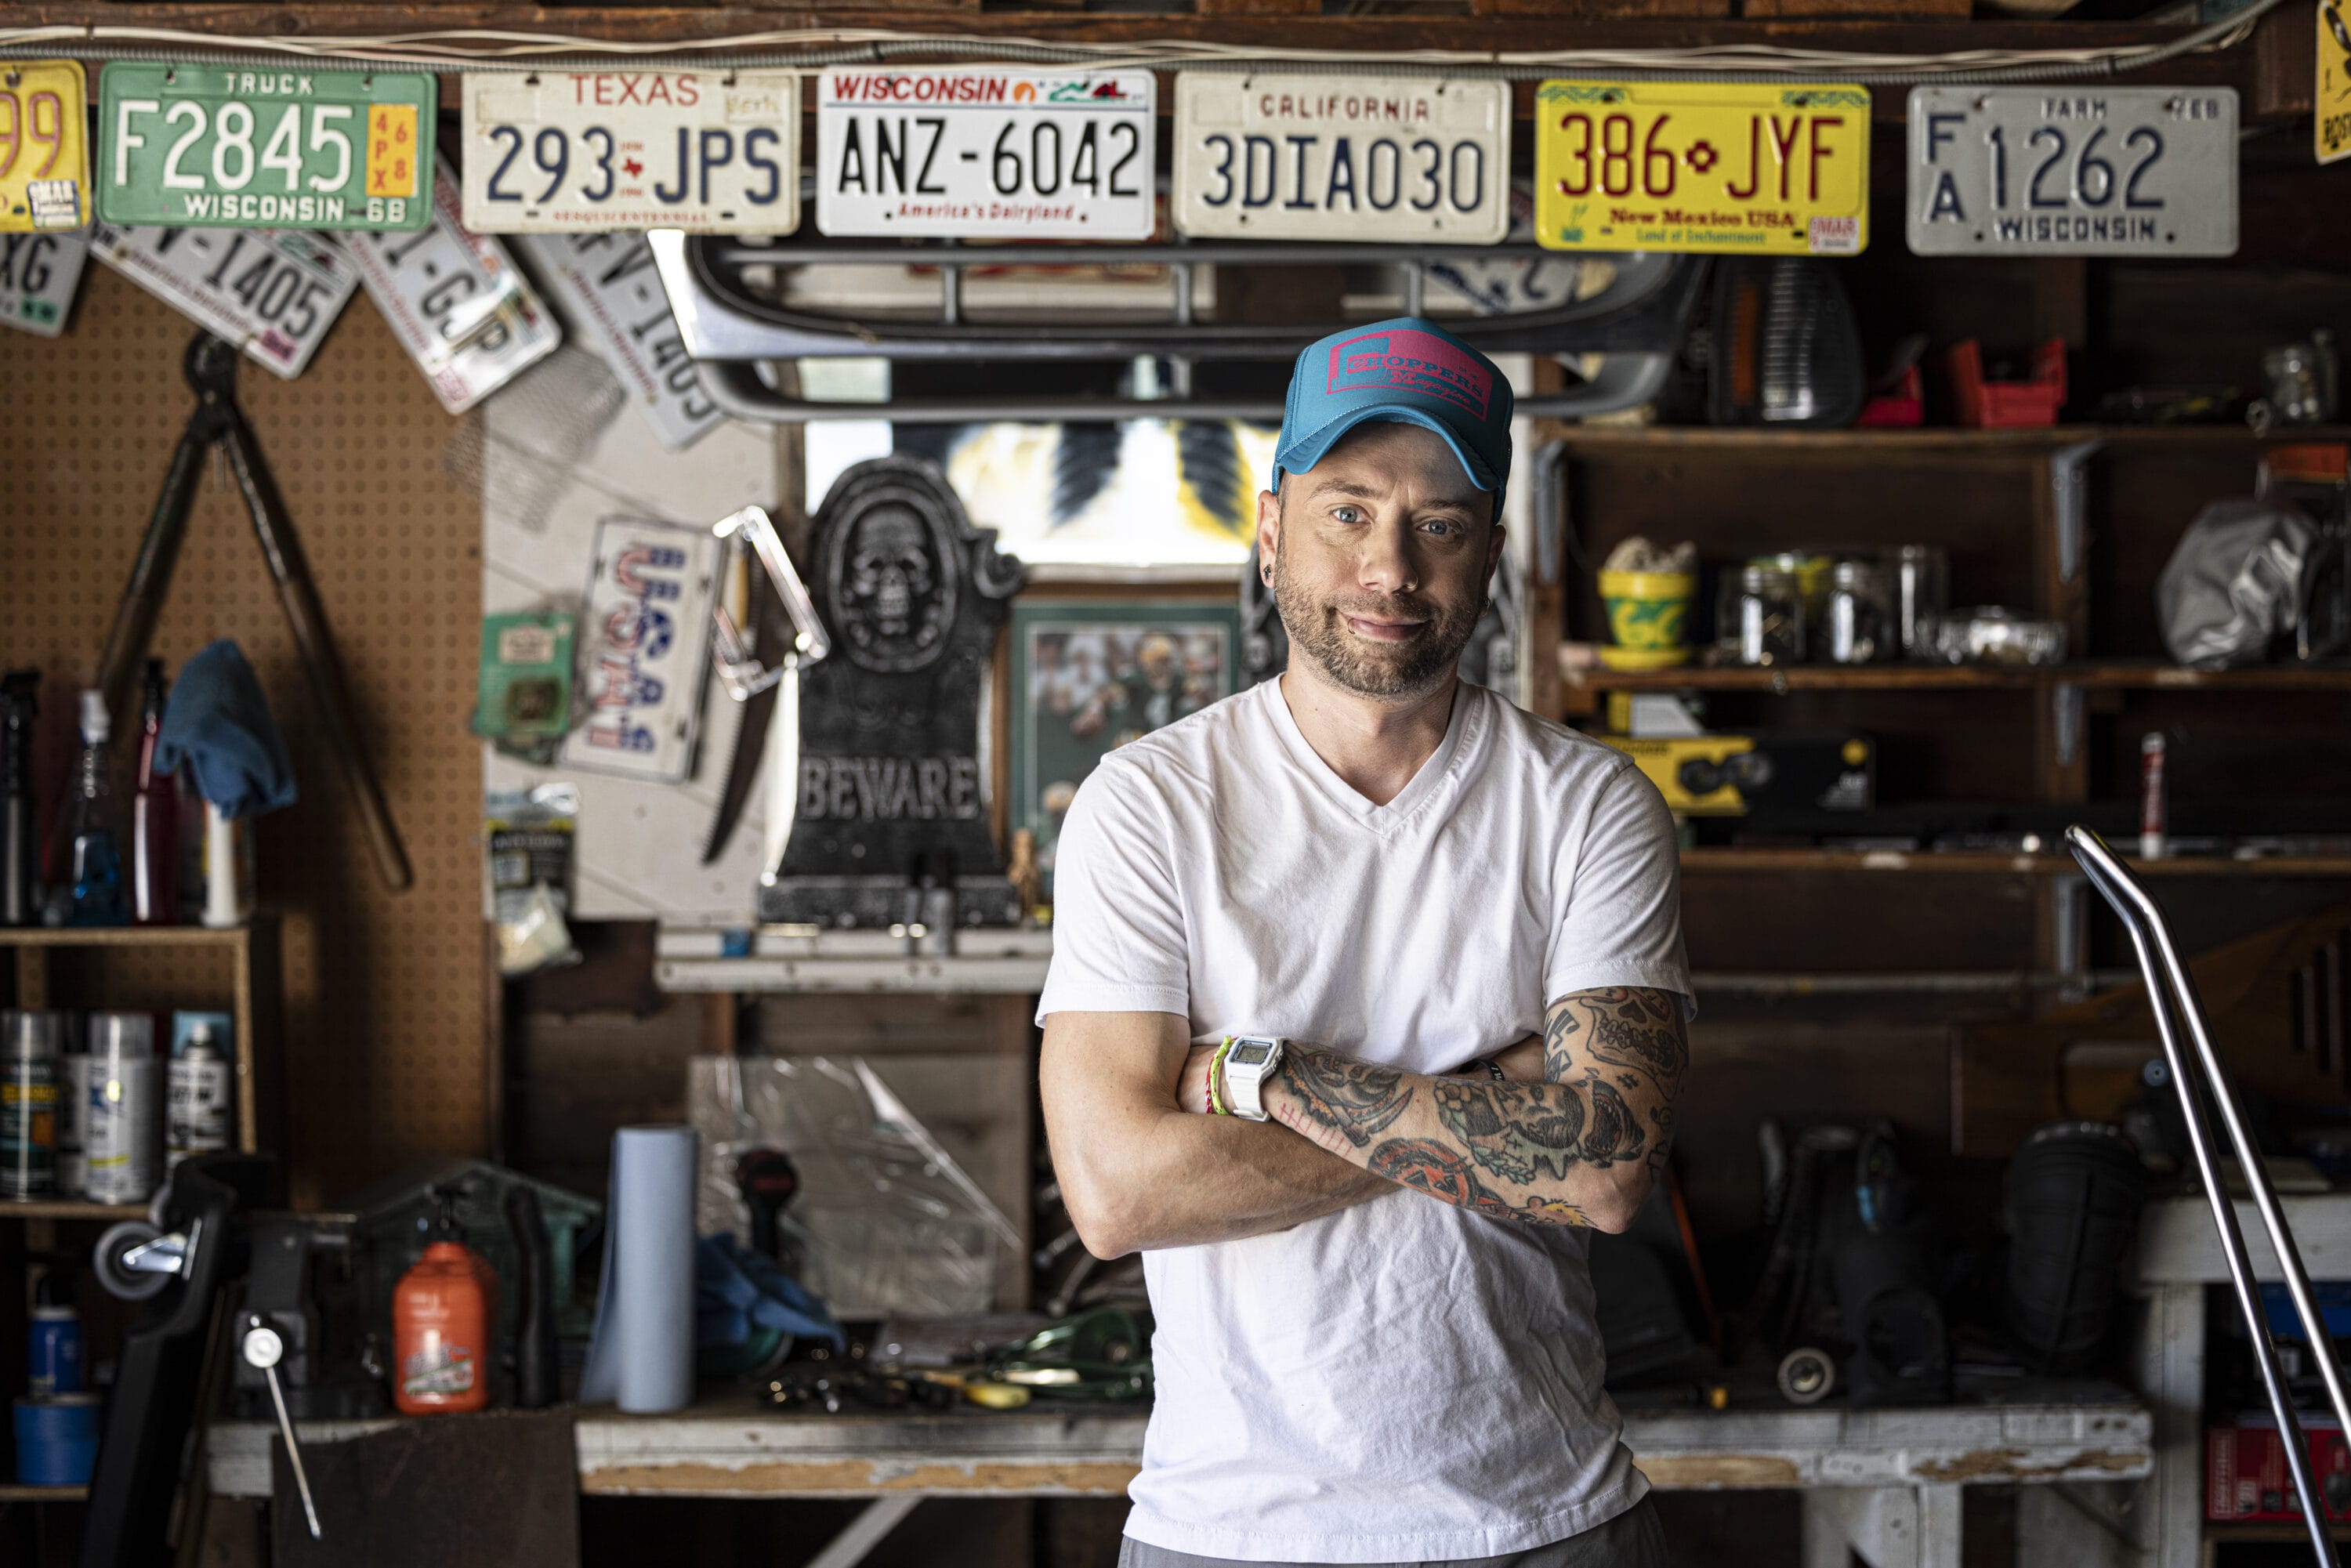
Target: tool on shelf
(2180,1017)
(210,366)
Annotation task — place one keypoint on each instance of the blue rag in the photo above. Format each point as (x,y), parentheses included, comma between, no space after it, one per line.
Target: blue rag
(736,1290)
(218,725)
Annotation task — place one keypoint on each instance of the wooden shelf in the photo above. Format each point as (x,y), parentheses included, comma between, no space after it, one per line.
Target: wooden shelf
(2030,442)
(68,1209)
(120,936)
(1998,862)
(2116,675)
(13,1492)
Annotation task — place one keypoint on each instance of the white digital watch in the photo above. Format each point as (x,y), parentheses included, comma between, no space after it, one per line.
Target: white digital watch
(1249,1060)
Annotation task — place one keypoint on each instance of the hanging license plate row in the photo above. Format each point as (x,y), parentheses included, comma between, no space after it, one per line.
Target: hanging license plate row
(44,146)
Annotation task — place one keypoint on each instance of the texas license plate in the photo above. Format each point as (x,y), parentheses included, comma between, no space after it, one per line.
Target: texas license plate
(38,275)
(587,151)
(457,302)
(44,153)
(964,153)
(1702,166)
(218,147)
(1342,158)
(2073,170)
(272,292)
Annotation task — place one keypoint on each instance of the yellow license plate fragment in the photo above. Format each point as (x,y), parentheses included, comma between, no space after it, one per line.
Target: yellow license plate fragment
(1721,168)
(44,153)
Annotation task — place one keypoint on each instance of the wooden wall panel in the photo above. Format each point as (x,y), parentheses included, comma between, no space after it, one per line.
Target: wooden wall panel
(384,1009)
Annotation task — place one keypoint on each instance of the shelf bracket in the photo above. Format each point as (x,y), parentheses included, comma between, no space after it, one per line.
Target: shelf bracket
(2069,920)
(2069,496)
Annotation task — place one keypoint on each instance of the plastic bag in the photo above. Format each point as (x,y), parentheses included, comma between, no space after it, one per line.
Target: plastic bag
(893,1224)
(2233,584)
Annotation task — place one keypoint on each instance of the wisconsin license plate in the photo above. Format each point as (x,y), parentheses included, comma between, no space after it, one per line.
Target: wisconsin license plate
(37,275)
(44,150)
(1342,158)
(586,150)
(1702,166)
(998,154)
(2073,170)
(456,301)
(607,284)
(272,292)
(218,147)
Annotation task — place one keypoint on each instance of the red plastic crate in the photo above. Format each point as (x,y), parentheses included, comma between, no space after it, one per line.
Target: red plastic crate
(1991,406)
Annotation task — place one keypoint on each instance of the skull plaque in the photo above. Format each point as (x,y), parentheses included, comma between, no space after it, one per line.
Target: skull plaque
(891,793)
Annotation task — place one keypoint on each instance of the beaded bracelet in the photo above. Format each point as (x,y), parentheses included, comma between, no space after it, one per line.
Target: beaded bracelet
(1217,1106)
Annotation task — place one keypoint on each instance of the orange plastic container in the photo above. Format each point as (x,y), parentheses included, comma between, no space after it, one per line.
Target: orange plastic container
(441,1314)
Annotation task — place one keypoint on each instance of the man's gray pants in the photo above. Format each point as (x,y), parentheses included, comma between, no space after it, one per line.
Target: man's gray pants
(1633,1539)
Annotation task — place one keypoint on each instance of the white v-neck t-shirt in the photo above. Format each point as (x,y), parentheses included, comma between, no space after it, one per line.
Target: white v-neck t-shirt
(1401,1380)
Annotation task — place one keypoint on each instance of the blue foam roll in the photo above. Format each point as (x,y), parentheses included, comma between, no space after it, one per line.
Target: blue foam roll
(57,1440)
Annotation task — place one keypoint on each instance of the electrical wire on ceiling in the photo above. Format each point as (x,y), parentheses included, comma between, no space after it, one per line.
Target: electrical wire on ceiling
(486,50)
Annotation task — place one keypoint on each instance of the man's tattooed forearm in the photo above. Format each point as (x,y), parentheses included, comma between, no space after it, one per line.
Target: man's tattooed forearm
(1630,1026)
(1353,1099)
(1427,1165)
(1539,1134)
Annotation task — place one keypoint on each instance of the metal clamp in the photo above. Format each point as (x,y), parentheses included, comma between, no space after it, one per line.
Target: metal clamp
(263,1347)
(2172,997)
(738,662)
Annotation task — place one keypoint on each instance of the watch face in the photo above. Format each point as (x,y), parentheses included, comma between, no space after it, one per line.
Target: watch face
(1249,1054)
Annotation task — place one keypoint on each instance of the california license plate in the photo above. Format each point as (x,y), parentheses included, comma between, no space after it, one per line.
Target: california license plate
(272,292)
(2073,170)
(1342,158)
(43,150)
(587,151)
(965,153)
(457,302)
(37,275)
(607,284)
(216,147)
(1702,166)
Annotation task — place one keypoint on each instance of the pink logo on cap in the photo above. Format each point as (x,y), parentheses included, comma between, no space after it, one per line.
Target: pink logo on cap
(1403,359)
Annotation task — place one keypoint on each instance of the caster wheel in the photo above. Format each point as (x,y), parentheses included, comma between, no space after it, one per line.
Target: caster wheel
(1807,1376)
(127,1284)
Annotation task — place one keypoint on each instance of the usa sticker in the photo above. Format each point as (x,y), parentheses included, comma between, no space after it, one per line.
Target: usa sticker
(645,643)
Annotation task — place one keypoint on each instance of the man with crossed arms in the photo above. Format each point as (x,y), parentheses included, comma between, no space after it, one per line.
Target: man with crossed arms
(1303,941)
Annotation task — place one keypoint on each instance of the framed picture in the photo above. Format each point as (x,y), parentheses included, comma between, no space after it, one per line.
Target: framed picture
(1089,677)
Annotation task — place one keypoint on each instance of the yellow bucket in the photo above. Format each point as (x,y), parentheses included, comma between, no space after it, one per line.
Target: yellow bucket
(1649,617)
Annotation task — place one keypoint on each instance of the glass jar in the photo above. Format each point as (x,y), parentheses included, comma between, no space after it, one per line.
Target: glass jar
(1859,629)
(1922,591)
(1760,618)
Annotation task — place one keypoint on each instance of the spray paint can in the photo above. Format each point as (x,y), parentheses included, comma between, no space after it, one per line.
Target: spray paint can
(123,1135)
(73,1114)
(53,1351)
(28,1104)
(199,1115)
(2153,804)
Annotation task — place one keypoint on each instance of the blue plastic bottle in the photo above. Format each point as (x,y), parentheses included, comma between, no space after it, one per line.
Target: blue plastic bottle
(98,896)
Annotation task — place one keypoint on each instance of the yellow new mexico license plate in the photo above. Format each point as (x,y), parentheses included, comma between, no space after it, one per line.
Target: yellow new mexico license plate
(44,158)
(1776,170)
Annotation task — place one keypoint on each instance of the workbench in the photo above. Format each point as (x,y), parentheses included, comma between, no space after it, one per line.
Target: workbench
(1886,1483)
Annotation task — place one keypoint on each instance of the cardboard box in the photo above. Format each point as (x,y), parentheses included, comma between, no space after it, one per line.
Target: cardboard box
(2245,1475)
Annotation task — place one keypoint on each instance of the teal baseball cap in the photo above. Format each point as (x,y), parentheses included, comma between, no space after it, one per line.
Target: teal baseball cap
(1409,370)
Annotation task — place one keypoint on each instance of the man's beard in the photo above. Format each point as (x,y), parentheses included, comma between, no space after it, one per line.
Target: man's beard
(1360,667)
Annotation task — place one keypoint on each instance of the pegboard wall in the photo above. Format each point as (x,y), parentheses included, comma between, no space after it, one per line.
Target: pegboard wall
(386,1016)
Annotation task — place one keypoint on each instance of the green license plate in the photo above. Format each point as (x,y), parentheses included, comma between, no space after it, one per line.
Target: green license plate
(223,147)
